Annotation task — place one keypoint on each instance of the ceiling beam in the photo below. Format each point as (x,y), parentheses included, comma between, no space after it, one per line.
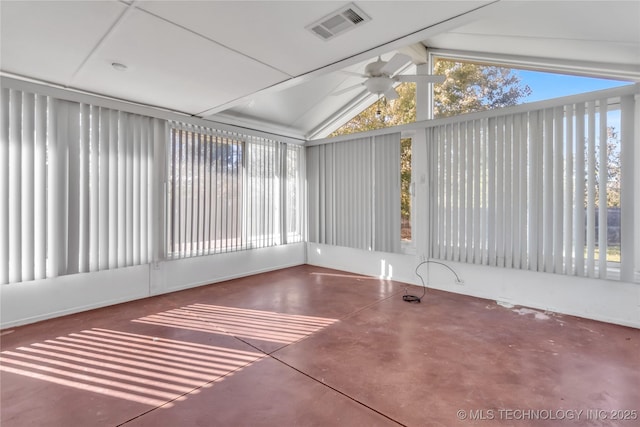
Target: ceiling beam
(417,52)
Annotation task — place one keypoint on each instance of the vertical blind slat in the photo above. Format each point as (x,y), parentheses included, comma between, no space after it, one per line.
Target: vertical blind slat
(517,224)
(558,190)
(103,189)
(15,188)
(40,190)
(135,190)
(478,186)
(84,188)
(602,189)
(629,191)
(53,193)
(580,183)
(591,185)
(112,193)
(5,126)
(508,167)
(27,168)
(500,193)
(491,192)
(568,194)
(462,192)
(471,179)
(71,218)
(94,179)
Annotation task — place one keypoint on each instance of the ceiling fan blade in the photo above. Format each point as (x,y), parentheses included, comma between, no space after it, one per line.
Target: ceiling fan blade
(391,94)
(394,64)
(423,78)
(347,89)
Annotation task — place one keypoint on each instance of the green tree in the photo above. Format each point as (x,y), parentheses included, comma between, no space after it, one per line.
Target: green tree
(612,170)
(383,113)
(472,87)
(405,188)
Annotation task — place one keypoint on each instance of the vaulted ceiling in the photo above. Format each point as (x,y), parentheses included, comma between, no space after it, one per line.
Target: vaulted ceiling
(254,63)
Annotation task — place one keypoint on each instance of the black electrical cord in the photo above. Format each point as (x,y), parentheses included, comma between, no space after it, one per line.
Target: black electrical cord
(416,299)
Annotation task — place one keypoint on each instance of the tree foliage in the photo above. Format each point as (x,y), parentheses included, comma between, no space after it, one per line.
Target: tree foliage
(383,113)
(612,170)
(472,87)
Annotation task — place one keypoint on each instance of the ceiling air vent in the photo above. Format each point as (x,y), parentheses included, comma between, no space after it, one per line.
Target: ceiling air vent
(338,22)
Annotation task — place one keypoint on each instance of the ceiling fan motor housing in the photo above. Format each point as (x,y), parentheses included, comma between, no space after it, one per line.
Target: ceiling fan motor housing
(374,69)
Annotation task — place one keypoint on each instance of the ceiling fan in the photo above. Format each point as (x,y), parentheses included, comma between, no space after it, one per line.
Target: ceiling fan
(381,76)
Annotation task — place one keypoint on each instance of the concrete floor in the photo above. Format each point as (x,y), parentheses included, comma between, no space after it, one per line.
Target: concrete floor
(307,346)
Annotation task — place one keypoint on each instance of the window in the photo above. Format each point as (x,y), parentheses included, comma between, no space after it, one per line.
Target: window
(406,193)
(205,193)
(229,192)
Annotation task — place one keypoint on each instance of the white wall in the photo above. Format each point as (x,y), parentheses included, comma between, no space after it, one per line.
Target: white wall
(28,302)
(186,273)
(604,300)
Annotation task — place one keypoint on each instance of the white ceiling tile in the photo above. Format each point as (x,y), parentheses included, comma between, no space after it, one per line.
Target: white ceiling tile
(48,40)
(610,20)
(171,67)
(581,50)
(596,31)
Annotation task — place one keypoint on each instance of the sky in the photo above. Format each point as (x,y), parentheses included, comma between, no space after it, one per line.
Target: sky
(550,85)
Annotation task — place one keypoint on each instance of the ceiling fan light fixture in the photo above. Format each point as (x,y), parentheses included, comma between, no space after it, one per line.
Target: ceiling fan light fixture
(378,85)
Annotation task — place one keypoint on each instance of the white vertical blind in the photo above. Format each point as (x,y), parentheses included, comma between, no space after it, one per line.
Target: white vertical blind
(294,171)
(62,165)
(533,187)
(386,188)
(228,192)
(354,193)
